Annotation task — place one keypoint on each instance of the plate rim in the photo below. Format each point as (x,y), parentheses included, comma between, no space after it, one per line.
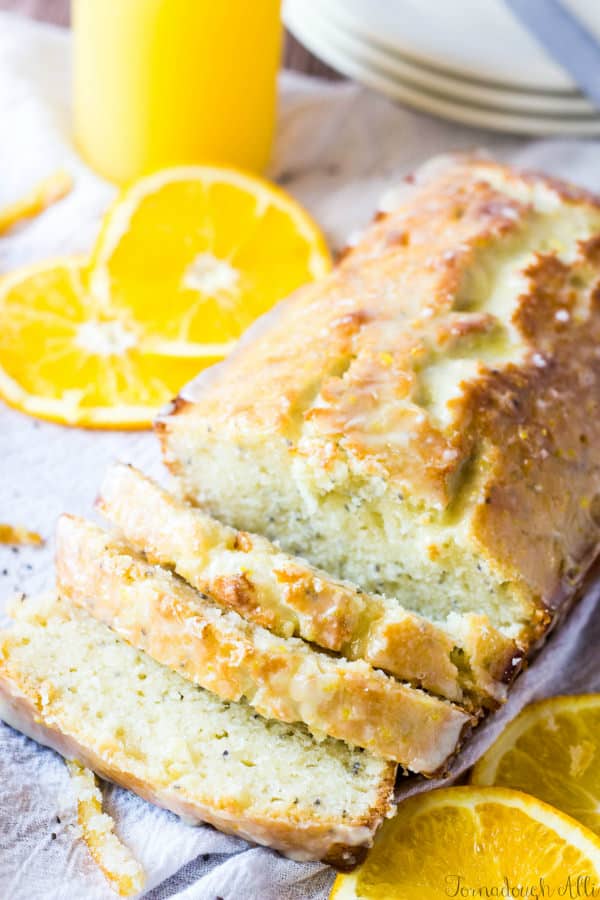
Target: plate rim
(423,59)
(425,101)
(467,89)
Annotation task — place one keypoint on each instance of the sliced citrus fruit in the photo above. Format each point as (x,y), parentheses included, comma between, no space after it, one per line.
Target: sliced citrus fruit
(43,195)
(551,750)
(64,358)
(199,252)
(475,842)
(187,258)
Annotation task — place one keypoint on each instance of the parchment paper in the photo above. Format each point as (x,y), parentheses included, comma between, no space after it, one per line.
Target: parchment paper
(339,148)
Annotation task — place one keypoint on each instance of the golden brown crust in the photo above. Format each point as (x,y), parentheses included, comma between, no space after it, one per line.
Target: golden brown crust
(282,679)
(247,573)
(341,845)
(420,289)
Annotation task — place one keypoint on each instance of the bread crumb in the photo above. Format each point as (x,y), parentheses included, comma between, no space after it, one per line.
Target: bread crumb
(16,534)
(122,871)
(43,195)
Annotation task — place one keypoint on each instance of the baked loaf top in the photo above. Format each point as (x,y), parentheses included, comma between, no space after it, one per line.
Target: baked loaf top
(181,747)
(424,421)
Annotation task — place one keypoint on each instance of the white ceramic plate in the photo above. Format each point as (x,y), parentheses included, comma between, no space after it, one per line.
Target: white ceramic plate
(479,39)
(332,46)
(401,68)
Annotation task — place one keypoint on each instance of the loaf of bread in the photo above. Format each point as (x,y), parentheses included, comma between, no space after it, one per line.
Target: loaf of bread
(425,421)
(70,683)
(467,660)
(282,679)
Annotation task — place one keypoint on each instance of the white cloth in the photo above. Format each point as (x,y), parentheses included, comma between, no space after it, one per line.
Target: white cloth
(338,147)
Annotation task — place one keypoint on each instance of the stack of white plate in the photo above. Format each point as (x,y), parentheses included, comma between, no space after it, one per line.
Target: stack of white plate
(466,60)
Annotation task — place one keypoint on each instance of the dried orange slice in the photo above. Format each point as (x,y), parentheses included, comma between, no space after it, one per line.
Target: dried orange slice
(552,750)
(475,842)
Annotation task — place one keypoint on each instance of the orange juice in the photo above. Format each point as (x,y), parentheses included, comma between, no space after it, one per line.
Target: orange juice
(165,82)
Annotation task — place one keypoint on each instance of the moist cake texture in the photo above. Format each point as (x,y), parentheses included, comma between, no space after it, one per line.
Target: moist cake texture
(283,679)
(466,660)
(71,683)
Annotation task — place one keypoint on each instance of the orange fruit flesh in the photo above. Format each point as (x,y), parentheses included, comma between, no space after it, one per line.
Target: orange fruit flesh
(467,841)
(186,260)
(204,274)
(63,360)
(551,750)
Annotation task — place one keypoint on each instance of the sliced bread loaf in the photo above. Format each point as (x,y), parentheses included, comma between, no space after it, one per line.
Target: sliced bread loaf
(69,682)
(463,659)
(424,421)
(284,679)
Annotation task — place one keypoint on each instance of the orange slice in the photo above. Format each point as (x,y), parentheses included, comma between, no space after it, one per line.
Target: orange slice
(199,252)
(475,842)
(186,259)
(65,359)
(552,750)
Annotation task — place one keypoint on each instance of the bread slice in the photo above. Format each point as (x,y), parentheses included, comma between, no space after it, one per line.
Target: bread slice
(465,660)
(424,421)
(284,679)
(69,682)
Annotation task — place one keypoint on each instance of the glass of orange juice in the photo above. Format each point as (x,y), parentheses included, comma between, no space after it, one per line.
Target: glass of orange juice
(168,82)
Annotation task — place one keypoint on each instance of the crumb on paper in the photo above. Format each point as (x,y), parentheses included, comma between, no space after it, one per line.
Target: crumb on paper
(122,871)
(43,195)
(17,535)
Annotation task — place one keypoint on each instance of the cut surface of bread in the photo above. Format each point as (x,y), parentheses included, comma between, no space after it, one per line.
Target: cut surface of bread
(283,679)
(465,660)
(424,421)
(69,682)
